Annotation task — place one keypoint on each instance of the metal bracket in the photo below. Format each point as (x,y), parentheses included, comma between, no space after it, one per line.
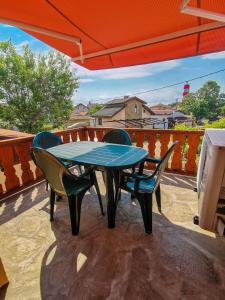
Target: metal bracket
(199,12)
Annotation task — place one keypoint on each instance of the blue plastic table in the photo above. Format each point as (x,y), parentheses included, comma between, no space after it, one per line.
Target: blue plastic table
(109,157)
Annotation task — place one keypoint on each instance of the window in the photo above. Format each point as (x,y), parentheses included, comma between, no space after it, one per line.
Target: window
(143,110)
(99,121)
(135,108)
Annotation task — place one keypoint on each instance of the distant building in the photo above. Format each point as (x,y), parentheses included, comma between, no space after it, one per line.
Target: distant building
(169,116)
(126,108)
(81,117)
(80,108)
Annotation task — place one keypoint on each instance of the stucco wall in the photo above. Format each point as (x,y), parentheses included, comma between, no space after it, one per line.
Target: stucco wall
(130,110)
(119,116)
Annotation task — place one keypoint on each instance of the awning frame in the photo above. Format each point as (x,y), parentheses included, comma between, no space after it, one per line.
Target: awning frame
(199,12)
(48,32)
(155,40)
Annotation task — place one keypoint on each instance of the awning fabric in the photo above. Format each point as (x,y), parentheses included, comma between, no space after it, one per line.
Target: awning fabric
(103,25)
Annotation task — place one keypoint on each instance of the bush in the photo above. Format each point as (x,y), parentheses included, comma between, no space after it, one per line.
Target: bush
(217,124)
(183,126)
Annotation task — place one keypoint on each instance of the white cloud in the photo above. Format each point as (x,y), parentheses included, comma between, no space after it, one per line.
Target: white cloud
(85,80)
(214,56)
(19,47)
(165,96)
(7,26)
(139,71)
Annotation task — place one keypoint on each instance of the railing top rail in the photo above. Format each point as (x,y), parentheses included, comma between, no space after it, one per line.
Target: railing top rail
(30,138)
(172,131)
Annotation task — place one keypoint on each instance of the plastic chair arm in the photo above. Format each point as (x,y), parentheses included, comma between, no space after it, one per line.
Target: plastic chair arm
(153,160)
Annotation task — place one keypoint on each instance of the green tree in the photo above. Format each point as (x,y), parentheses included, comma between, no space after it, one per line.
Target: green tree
(36,89)
(95,108)
(205,102)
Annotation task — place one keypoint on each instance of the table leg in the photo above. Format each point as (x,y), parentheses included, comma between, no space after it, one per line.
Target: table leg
(111,205)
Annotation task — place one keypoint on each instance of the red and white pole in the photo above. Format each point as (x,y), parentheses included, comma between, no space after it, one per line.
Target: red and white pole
(186,89)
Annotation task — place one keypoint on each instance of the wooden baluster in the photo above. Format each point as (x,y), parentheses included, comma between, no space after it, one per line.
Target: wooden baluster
(66,137)
(176,163)
(131,134)
(38,173)
(22,150)
(7,162)
(91,133)
(164,141)
(99,134)
(140,139)
(83,134)
(152,138)
(193,143)
(74,136)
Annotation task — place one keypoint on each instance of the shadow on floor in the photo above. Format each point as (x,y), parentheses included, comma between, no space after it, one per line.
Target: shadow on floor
(124,263)
(18,204)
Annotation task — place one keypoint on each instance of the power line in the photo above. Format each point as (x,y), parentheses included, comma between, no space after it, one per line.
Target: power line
(167,86)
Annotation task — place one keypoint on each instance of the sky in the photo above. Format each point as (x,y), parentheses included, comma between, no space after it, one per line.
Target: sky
(103,85)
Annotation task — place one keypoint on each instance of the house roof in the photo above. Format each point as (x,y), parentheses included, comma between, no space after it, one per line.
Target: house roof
(123,100)
(81,115)
(160,106)
(162,112)
(108,111)
(148,109)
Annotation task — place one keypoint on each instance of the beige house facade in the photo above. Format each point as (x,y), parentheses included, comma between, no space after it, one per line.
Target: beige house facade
(119,112)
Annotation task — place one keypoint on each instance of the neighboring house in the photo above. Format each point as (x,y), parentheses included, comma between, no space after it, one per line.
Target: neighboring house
(165,115)
(90,105)
(125,109)
(81,117)
(161,106)
(80,108)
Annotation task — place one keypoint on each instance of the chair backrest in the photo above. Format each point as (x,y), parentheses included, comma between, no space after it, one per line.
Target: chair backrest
(162,165)
(46,139)
(52,168)
(117,136)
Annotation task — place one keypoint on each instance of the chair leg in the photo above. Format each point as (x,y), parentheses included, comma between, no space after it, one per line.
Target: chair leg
(158,197)
(80,169)
(75,209)
(117,179)
(52,204)
(145,201)
(46,185)
(98,193)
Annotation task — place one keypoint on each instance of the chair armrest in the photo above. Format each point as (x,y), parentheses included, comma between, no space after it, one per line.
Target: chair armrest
(153,160)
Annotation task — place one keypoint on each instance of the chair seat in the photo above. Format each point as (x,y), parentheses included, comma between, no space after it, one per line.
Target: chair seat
(74,187)
(145,185)
(67,164)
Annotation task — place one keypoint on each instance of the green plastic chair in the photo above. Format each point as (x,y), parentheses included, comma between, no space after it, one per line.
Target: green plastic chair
(47,139)
(117,136)
(142,186)
(64,183)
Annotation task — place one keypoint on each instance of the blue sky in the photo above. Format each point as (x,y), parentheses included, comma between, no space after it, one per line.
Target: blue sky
(98,86)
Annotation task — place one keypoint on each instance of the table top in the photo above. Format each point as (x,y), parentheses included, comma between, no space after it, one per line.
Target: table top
(99,154)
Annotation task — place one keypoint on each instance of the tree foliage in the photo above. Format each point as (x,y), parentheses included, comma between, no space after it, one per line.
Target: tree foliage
(206,102)
(95,108)
(36,89)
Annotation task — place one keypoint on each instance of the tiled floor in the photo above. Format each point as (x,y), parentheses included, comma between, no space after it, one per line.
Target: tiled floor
(44,261)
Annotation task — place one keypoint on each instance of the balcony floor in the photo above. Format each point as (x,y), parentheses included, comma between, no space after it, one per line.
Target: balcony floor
(44,261)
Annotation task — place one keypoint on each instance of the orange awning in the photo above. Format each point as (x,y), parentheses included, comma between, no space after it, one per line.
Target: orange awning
(108,34)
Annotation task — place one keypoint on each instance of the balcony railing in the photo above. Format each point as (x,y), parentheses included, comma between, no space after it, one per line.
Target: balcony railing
(17,169)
